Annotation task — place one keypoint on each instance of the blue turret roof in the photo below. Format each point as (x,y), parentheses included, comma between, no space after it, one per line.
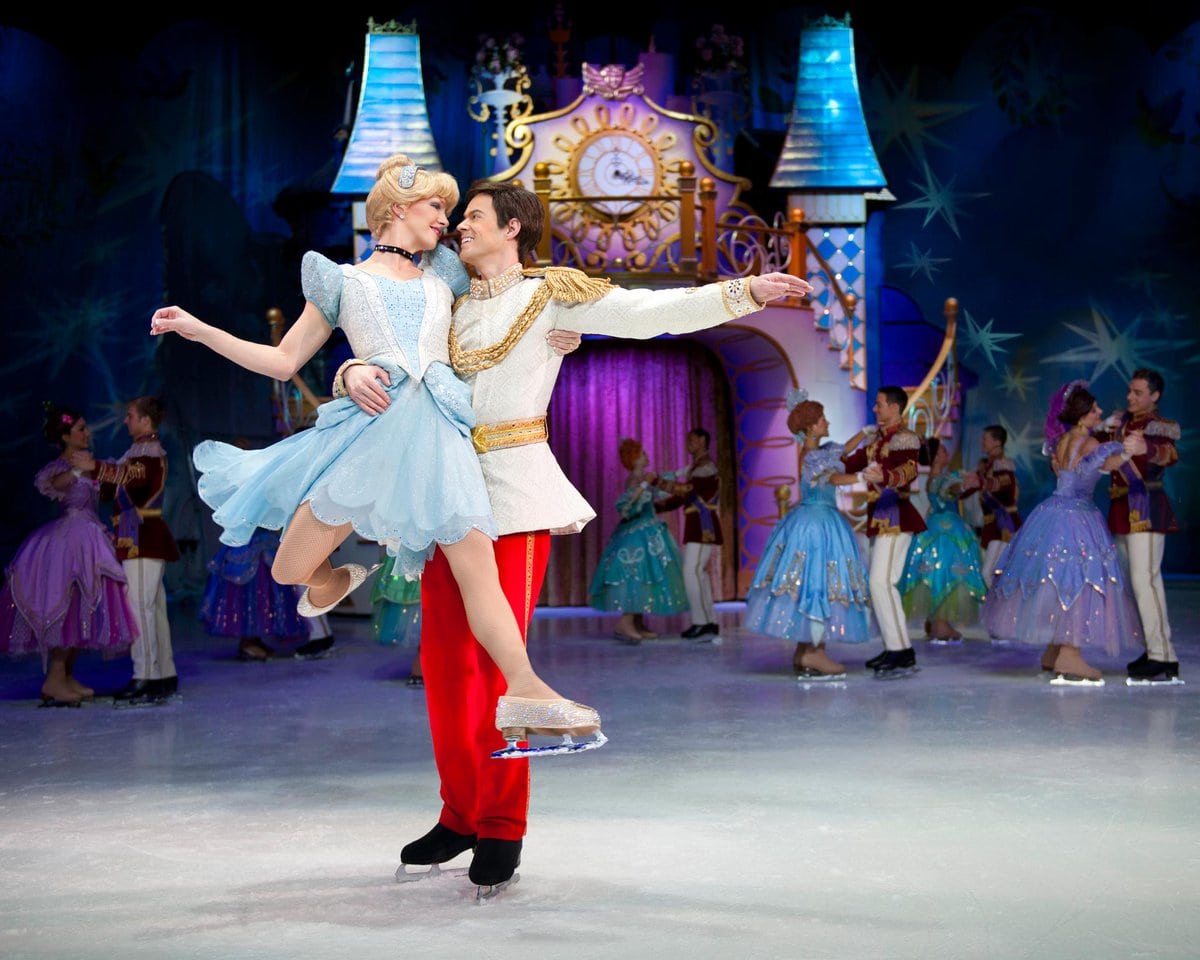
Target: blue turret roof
(391,111)
(827,145)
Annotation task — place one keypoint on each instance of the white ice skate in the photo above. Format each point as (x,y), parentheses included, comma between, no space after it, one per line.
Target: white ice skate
(518,718)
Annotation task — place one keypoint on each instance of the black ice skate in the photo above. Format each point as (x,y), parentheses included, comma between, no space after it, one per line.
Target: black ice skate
(896,664)
(877,660)
(438,846)
(317,649)
(140,693)
(494,866)
(1146,671)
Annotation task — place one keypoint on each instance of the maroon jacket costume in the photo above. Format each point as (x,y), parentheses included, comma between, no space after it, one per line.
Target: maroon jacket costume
(889,510)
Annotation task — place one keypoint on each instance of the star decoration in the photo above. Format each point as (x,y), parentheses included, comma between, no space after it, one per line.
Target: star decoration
(1164,319)
(922,261)
(938,199)
(1016,381)
(1022,445)
(903,119)
(1107,348)
(984,339)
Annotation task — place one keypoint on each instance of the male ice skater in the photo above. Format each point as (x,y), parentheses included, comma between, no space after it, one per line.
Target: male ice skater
(698,492)
(1140,517)
(498,345)
(994,481)
(888,464)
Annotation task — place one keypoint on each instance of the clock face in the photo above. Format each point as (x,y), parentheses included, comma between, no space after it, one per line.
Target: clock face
(616,163)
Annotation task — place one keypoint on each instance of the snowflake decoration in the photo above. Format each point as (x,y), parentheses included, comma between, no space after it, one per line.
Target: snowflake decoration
(1144,281)
(939,200)
(922,261)
(984,339)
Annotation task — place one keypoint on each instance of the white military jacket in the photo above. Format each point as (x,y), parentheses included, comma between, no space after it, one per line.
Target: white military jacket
(526,486)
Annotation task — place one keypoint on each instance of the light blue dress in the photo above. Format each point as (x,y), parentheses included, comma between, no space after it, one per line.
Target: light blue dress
(942,579)
(408,478)
(811,583)
(1060,580)
(640,569)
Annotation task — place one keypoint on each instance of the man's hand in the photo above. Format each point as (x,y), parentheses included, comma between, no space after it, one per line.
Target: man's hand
(972,481)
(82,460)
(1135,444)
(362,383)
(772,286)
(563,342)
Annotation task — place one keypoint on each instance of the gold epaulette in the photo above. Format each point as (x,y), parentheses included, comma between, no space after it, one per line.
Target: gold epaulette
(568,285)
(904,440)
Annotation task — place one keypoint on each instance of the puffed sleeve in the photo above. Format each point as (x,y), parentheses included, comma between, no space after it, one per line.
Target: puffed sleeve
(321,281)
(1105,450)
(44,481)
(445,265)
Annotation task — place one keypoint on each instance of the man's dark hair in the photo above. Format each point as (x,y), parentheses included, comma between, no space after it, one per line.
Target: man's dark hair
(996,432)
(1153,379)
(512,202)
(896,395)
(703,434)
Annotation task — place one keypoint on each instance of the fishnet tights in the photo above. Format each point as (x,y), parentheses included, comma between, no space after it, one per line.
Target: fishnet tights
(303,555)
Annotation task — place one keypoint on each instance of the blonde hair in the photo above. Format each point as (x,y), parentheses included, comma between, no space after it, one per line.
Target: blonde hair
(387,191)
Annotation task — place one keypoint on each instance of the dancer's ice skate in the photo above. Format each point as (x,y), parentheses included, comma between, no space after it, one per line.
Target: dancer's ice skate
(1148,672)
(494,866)
(518,718)
(358,576)
(897,663)
(812,663)
(1071,670)
(438,846)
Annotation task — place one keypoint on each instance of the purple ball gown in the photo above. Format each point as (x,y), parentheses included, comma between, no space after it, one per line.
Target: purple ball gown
(65,586)
(1059,580)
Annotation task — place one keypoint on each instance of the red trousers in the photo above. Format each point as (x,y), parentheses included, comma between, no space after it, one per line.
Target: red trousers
(480,795)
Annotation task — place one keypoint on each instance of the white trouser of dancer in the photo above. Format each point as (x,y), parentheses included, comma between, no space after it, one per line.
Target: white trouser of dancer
(318,627)
(1142,555)
(991,556)
(697,581)
(888,553)
(152,656)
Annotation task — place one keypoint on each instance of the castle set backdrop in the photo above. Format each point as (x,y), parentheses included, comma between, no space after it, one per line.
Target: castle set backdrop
(1041,169)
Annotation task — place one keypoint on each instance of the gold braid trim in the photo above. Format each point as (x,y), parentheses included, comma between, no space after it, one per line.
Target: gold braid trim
(563,284)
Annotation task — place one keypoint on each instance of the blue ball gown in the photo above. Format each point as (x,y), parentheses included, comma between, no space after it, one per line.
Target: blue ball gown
(942,579)
(811,583)
(640,569)
(408,478)
(1060,580)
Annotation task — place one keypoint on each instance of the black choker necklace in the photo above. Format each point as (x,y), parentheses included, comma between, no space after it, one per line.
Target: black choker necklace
(388,248)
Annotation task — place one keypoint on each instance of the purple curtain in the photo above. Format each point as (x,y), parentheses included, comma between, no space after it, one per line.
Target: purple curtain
(655,391)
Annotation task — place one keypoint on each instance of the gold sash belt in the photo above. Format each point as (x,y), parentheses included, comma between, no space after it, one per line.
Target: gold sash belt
(509,433)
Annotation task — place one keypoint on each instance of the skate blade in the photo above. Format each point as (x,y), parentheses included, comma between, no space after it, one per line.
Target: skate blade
(941,642)
(1169,682)
(896,674)
(817,677)
(483,894)
(1070,680)
(513,752)
(56,704)
(404,875)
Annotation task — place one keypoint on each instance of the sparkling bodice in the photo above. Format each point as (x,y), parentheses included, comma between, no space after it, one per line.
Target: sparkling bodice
(943,491)
(819,466)
(406,322)
(1080,482)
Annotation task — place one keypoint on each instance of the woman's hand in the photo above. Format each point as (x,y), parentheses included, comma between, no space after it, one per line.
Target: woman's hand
(176,320)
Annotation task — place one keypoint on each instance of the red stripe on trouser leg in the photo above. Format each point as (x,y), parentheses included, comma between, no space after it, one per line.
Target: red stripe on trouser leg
(479,794)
